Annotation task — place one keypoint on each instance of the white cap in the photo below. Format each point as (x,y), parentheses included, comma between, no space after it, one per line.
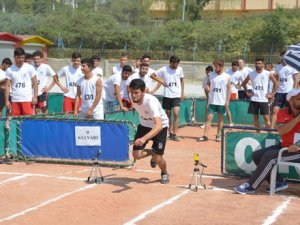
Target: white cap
(292,93)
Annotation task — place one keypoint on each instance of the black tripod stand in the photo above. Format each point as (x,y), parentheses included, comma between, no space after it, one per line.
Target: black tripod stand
(96,170)
(197,175)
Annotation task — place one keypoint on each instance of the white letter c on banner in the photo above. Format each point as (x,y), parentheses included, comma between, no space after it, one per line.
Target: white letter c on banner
(239,153)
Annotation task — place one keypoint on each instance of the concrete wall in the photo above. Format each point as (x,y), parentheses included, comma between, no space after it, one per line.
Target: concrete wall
(193,71)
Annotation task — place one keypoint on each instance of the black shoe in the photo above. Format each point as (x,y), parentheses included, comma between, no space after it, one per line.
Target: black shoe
(203,138)
(153,164)
(170,137)
(175,138)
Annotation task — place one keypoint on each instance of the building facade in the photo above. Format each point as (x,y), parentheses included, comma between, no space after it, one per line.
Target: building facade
(158,10)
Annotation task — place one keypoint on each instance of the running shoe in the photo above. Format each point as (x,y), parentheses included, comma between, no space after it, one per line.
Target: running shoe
(165,178)
(244,189)
(203,138)
(280,186)
(175,138)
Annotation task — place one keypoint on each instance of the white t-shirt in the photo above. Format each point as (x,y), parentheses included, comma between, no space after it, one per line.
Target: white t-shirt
(260,84)
(171,78)
(149,109)
(235,78)
(98,72)
(109,88)
(271,84)
(285,78)
(72,76)
(150,71)
(2,75)
(246,71)
(218,88)
(117,69)
(152,83)
(44,71)
(88,93)
(2,78)
(147,79)
(21,84)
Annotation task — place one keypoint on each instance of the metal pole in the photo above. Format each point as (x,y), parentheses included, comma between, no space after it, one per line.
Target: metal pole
(183,9)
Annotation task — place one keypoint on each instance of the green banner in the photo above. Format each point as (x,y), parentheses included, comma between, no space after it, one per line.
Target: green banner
(239,147)
(131,116)
(185,112)
(238,109)
(55,102)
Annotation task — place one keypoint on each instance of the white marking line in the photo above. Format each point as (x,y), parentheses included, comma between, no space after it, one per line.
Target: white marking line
(207,176)
(78,171)
(277,212)
(15,178)
(43,175)
(46,203)
(157,207)
(147,171)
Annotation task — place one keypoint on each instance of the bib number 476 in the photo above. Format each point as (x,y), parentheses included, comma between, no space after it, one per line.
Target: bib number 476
(20,85)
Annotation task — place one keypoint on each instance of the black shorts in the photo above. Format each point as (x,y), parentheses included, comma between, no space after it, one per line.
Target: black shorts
(159,141)
(169,103)
(242,95)
(2,98)
(256,108)
(42,97)
(280,100)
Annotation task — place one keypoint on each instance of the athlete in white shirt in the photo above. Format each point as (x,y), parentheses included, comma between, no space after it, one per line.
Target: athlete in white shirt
(6,62)
(287,80)
(72,73)
(89,88)
(114,89)
(259,98)
(141,74)
(269,67)
(236,78)
(22,81)
(136,65)
(123,61)
(153,126)
(171,77)
(147,59)
(245,71)
(96,69)
(219,96)
(208,70)
(44,71)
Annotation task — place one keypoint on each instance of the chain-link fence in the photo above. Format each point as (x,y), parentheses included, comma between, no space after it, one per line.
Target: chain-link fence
(188,55)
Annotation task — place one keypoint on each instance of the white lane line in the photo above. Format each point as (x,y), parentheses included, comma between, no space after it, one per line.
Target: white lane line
(215,177)
(14,178)
(77,171)
(23,212)
(43,175)
(277,212)
(10,173)
(222,189)
(155,208)
(147,171)
(207,176)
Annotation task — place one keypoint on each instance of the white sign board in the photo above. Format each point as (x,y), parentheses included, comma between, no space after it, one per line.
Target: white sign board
(87,136)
